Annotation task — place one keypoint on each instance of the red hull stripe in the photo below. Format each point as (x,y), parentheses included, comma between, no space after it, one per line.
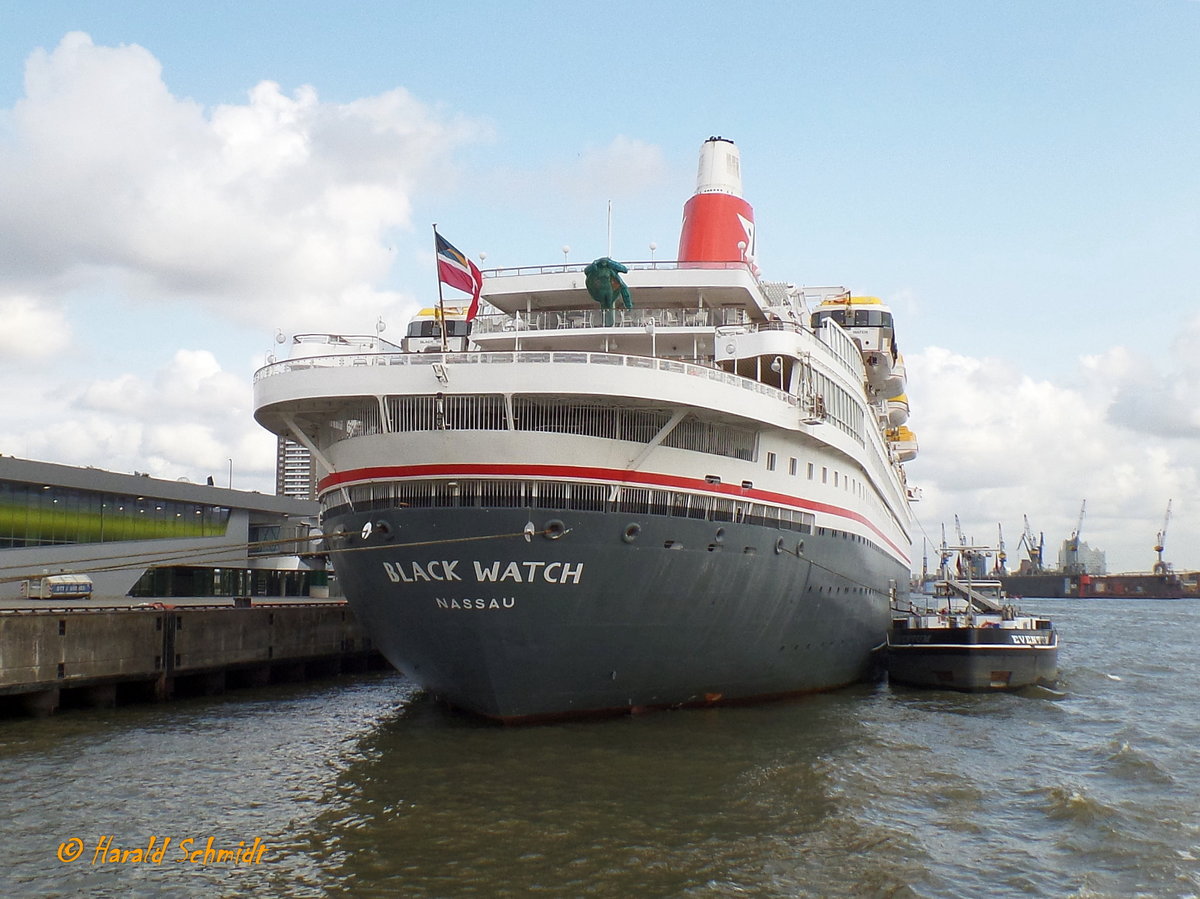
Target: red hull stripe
(589,473)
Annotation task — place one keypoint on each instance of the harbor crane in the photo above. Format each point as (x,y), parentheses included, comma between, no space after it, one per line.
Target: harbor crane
(1078,528)
(970,557)
(1033,550)
(1001,556)
(1161,567)
(1071,561)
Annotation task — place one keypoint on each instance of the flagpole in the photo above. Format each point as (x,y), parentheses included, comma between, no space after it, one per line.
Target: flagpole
(441,302)
(610,227)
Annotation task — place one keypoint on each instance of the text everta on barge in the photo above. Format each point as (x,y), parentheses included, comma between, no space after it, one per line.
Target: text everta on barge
(563,509)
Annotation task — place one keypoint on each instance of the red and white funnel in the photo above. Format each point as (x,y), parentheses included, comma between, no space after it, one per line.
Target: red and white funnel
(718,225)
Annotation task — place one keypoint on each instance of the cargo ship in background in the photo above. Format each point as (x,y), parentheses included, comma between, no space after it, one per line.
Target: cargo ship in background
(692,498)
(1129,585)
(1077,577)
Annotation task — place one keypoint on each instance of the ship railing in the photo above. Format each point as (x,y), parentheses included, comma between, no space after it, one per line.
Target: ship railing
(844,348)
(573,319)
(779,325)
(343,343)
(642,265)
(638,266)
(536,357)
(974,592)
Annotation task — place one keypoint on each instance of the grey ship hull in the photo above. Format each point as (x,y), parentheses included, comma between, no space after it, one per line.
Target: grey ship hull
(603,612)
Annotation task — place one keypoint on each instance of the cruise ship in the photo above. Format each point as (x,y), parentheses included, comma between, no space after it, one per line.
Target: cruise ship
(560,509)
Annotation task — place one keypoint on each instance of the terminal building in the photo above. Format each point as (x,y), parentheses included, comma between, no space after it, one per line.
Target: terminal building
(134,536)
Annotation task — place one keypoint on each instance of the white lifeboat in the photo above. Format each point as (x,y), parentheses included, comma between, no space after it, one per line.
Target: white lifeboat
(424,333)
(869,323)
(897,410)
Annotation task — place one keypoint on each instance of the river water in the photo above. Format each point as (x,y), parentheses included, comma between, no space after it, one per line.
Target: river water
(364,787)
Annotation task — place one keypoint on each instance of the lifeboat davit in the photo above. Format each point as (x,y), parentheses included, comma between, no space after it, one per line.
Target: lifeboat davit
(885,375)
(903,442)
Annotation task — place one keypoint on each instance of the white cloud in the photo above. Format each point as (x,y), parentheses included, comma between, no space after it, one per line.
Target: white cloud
(31,329)
(116,195)
(276,209)
(184,420)
(1151,400)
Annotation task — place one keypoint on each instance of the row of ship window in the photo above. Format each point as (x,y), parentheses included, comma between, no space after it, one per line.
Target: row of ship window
(576,496)
(853,485)
(845,481)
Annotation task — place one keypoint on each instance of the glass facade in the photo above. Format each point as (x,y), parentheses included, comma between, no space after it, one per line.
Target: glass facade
(195,581)
(33,515)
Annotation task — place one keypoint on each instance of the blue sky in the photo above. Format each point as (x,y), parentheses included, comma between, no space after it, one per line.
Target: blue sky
(1019,180)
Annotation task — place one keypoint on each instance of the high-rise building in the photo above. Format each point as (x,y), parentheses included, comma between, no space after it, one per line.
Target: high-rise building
(295,470)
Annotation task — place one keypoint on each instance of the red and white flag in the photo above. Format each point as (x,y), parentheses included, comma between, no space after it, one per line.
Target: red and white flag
(455,269)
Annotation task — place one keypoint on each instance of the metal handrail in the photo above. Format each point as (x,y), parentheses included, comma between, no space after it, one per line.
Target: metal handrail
(536,357)
(643,265)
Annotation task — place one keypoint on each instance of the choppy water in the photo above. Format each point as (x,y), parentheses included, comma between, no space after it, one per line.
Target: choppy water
(364,788)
